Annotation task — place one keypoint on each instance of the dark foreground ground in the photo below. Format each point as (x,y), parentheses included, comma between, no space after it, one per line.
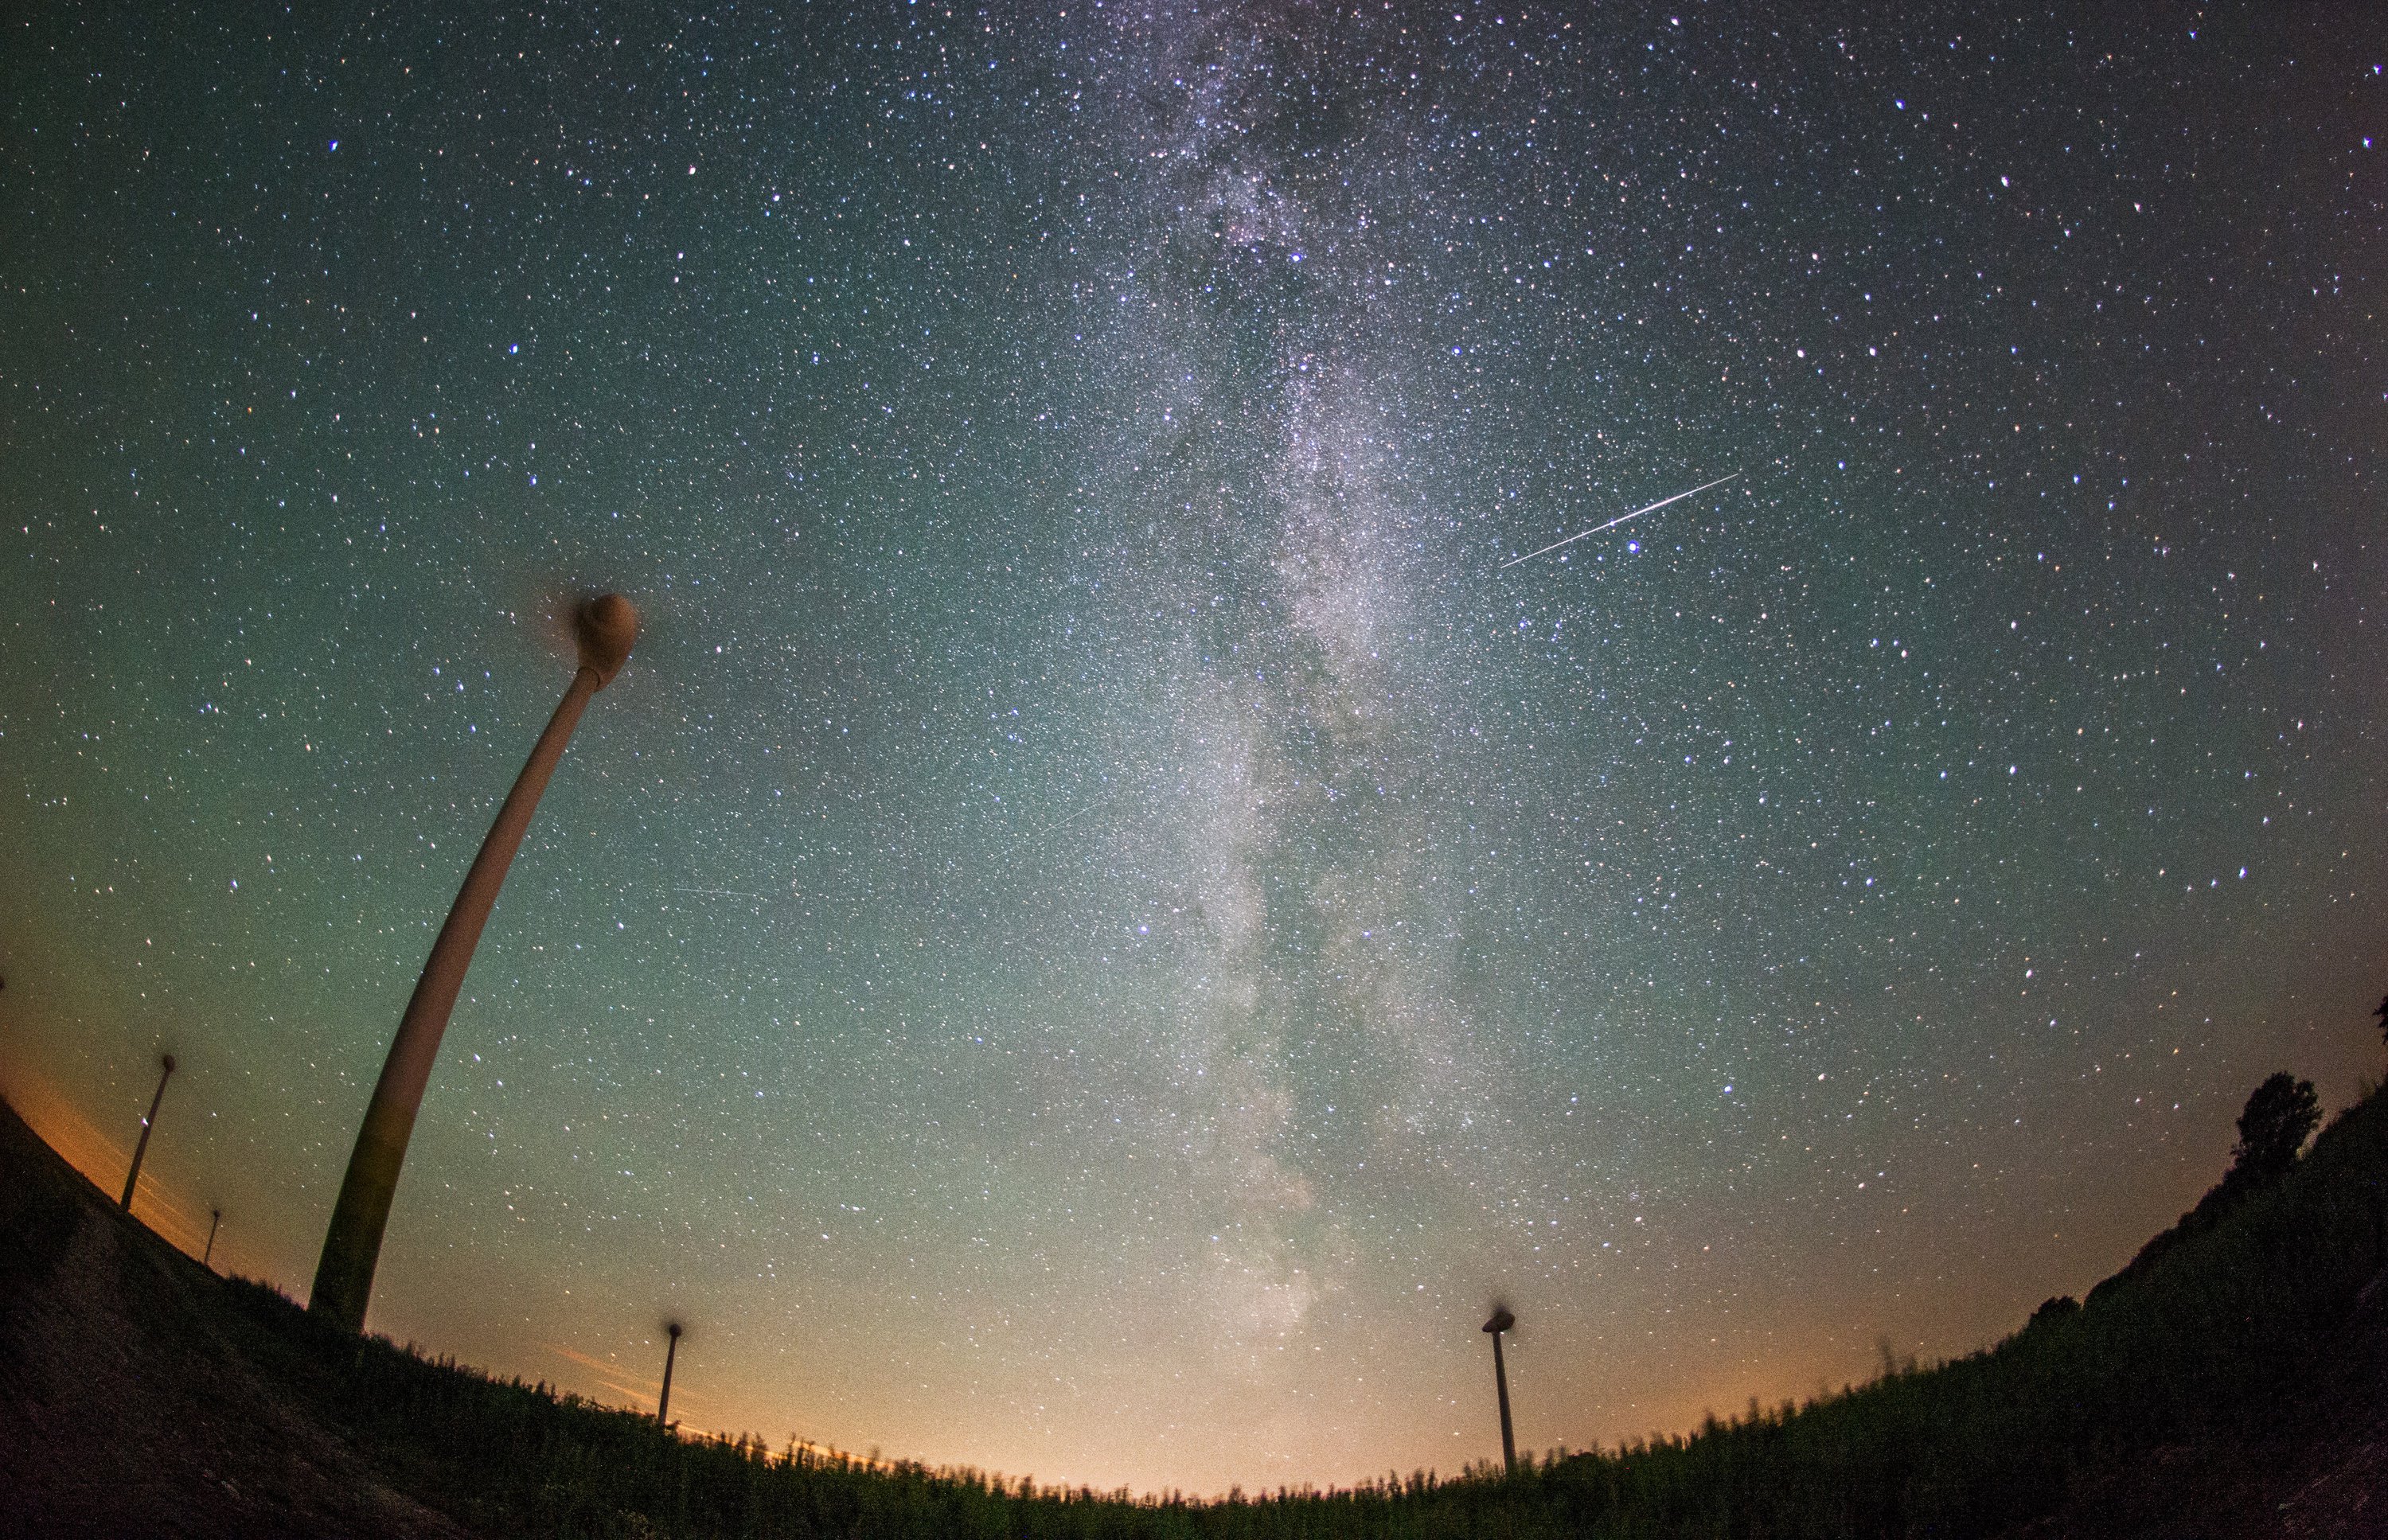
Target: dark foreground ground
(2232,1381)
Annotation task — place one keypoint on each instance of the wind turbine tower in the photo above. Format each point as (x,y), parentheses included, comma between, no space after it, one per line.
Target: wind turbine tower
(605,628)
(1502,1321)
(141,1150)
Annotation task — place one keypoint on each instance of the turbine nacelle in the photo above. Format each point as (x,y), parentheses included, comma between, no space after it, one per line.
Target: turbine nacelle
(607,627)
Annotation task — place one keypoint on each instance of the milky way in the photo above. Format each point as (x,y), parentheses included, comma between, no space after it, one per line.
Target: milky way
(1104,922)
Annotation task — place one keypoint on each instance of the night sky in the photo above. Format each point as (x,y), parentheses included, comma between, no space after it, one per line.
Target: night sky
(1102,926)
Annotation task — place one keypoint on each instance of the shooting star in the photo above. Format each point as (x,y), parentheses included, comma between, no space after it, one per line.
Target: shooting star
(1056,828)
(1619,520)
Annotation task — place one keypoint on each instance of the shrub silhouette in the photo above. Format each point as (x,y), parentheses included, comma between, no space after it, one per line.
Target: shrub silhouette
(2279,1116)
(2055,1309)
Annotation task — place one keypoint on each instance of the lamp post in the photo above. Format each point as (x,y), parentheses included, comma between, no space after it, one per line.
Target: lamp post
(141,1150)
(663,1402)
(215,1223)
(605,628)
(1502,1321)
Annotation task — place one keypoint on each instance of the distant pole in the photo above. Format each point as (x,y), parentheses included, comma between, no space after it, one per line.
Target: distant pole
(605,628)
(663,1402)
(215,1223)
(1501,1320)
(142,1149)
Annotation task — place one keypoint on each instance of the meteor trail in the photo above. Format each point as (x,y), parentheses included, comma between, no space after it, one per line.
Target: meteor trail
(1615,521)
(1056,828)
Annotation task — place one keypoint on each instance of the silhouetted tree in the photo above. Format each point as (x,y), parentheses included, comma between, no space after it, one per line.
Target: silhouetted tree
(2383,1014)
(2278,1118)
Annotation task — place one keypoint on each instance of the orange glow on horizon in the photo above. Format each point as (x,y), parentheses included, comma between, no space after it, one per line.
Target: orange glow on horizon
(101,1159)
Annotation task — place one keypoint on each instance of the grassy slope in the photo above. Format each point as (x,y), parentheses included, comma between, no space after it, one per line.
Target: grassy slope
(134,1401)
(2187,1398)
(2231,1334)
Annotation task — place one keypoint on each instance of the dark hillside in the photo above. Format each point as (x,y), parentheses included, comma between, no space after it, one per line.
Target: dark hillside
(134,1400)
(2234,1381)
(2229,1380)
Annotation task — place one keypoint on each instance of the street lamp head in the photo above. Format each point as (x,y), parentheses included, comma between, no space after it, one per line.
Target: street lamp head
(607,627)
(1501,1320)
(675,1328)
(168,1060)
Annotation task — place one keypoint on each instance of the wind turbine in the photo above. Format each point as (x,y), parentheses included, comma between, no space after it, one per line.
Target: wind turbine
(141,1150)
(1502,1321)
(663,1402)
(605,628)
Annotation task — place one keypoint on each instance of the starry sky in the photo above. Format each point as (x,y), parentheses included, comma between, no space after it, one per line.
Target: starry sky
(1104,923)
